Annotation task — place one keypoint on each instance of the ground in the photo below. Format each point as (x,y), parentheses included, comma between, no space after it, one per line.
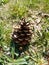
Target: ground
(34,11)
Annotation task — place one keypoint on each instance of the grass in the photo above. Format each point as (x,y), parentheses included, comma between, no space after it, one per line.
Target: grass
(11,11)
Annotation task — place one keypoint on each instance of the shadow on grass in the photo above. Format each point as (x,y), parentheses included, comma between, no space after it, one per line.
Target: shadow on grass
(15,48)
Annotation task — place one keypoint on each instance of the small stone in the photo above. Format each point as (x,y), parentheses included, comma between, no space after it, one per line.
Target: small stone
(38,20)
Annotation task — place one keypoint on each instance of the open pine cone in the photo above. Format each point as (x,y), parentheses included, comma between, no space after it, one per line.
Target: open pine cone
(22,34)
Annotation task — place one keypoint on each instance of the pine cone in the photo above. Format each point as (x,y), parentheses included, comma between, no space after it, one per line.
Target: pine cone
(22,34)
